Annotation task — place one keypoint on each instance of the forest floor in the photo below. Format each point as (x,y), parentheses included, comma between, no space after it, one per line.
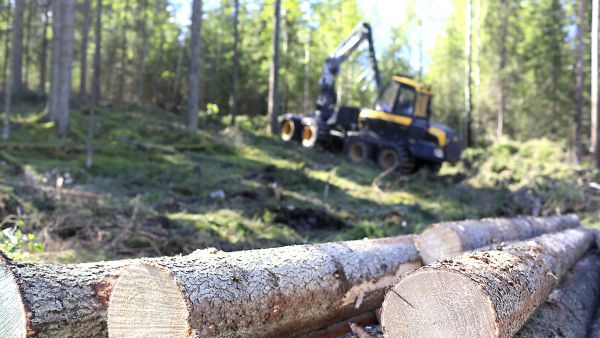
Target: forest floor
(154,189)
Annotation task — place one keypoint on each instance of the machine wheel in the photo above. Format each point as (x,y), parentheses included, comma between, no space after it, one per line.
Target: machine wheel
(309,135)
(389,157)
(357,150)
(289,130)
(431,168)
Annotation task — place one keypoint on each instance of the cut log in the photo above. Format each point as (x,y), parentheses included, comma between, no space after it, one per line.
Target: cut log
(258,293)
(568,310)
(45,300)
(482,294)
(450,239)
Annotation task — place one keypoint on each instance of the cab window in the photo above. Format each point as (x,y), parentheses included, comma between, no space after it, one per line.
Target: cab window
(386,100)
(405,105)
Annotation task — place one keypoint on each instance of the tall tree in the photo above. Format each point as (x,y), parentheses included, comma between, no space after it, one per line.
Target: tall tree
(62,50)
(595,118)
(194,80)
(502,68)
(31,12)
(273,105)
(8,14)
(43,59)
(143,29)
(579,80)
(468,73)
(236,60)
(86,9)
(123,61)
(16,52)
(95,85)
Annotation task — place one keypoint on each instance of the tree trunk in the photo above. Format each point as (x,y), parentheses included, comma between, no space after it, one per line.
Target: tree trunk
(468,75)
(306,96)
(125,28)
(7,104)
(95,86)
(57,14)
(30,13)
(66,58)
(595,118)
(257,293)
(236,60)
(579,81)
(450,239)
(502,70)
(55,300)
(84,47)
(194,80)
(142,71)
(6,45)
(16,49)
(482,294)
(568,310)
(273,105)
(44,48)
(175,91)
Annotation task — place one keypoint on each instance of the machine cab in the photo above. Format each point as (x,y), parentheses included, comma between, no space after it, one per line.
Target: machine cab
(401,112)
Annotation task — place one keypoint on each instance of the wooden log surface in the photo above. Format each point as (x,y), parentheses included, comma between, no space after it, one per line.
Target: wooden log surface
(55,300)
(482,294)
(257,293)
(568,310)
(450,239)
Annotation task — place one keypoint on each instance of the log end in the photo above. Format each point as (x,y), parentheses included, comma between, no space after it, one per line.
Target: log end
(13,318)
(147,302)
(438,242)
(437,303)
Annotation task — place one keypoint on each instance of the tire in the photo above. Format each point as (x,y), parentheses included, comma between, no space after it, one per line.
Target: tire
(309,135)
(357,150)
(431,169)
(289,130)
(399,157)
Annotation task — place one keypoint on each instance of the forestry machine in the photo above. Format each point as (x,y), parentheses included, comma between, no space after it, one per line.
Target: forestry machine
(395,132)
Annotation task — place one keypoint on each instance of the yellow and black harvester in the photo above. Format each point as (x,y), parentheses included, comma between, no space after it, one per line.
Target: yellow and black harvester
(396,132)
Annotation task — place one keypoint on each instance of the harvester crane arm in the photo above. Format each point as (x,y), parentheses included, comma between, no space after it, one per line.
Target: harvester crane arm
(328,96)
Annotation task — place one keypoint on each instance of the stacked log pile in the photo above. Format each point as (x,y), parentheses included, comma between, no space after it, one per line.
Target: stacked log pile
(316,290)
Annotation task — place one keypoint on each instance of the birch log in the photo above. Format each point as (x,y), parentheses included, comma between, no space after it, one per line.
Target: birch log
(568,310)
(257,293)
(450,239)
(481,294)
(45,300)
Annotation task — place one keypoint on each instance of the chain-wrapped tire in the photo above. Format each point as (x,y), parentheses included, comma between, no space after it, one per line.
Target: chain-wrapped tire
(398,157)
(357,150)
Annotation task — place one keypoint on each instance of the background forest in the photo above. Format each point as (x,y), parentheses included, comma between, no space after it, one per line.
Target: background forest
(112,146)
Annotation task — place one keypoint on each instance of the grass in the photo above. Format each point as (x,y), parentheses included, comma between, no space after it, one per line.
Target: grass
(149,189)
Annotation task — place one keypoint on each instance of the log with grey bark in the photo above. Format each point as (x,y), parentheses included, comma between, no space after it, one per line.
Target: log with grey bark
(257,293)
(449,239)
(568,310)
(54,300)
(482,294)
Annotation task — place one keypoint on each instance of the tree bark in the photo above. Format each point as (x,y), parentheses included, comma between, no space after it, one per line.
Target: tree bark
(236,60)
(595,112)
(89,152)
(194,80)
(468,74)
(482,294)
(257,293)
(84,47)
(44,300)
(66,58)
(30,14)
(450,239)
(579,81)
(44,48)
(568,310)
(273,104)
(144,31)
(16,49)
(502,70)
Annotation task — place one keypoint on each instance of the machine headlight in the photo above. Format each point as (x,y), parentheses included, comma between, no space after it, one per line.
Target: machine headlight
(439,153)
